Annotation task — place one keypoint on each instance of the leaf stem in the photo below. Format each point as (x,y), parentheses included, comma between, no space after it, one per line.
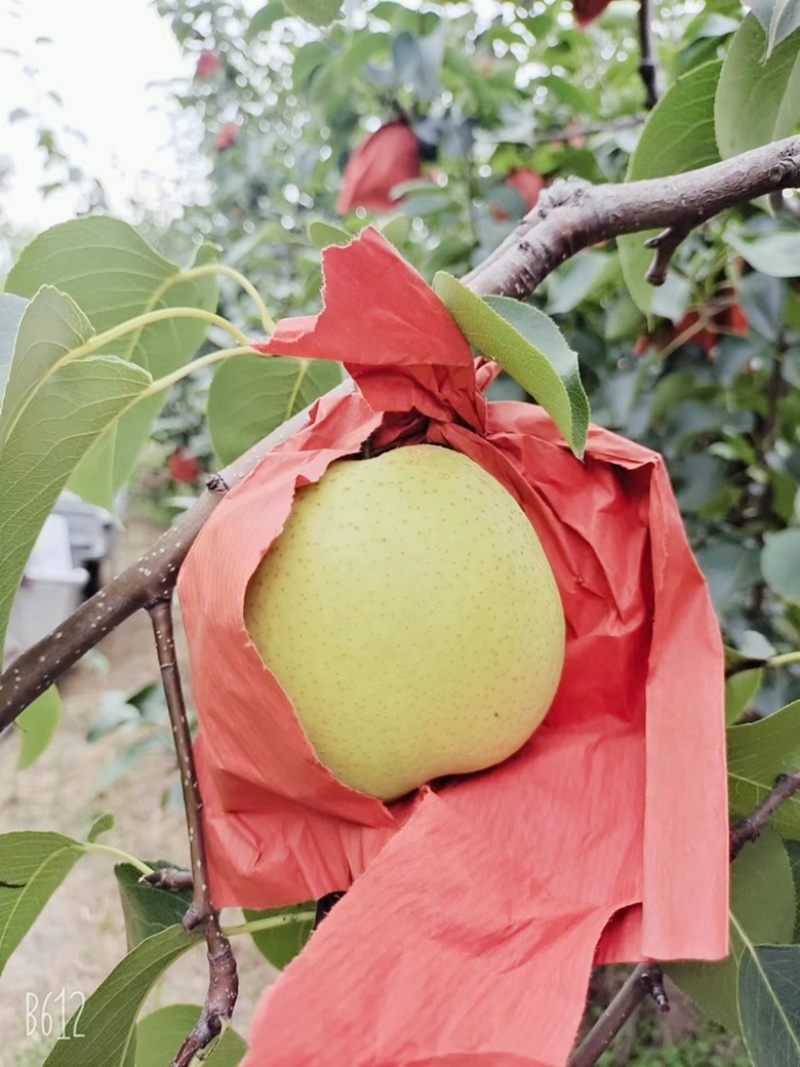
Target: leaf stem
(267,320)
(149,318)
(271,922)
(118,853)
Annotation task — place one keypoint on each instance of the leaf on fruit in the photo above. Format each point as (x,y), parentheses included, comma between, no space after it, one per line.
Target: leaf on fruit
(160,1035)
(529,346)
(263,393)
(37,725)
(55,407)
(107,1020)
(282,943)
(769,1005)
(147,909)
(759,874)
(758,753)
(767,92)
(32,866)
(679,136)
(113,275)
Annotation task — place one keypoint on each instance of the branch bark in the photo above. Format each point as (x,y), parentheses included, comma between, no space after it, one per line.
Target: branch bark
(751,826)
(568,218)
(223,981)
(571,215)
(644,979)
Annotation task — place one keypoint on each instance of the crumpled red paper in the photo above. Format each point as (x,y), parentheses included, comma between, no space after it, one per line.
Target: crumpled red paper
(475,910)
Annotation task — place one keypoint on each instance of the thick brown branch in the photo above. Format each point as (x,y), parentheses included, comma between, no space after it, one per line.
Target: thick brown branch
(751,826)
(223,984)
(569,218)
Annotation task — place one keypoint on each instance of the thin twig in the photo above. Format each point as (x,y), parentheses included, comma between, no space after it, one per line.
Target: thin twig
(223,982)
(647,62)
(666,244)
(643,980)
(751,826)
(173,879)
(568,218)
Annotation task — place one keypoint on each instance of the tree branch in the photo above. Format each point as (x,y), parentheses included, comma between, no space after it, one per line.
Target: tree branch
(569,217)
(644,979)
(751,826)
(223,982)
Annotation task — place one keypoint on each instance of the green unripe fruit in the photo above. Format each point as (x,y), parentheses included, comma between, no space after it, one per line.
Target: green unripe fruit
(410,613)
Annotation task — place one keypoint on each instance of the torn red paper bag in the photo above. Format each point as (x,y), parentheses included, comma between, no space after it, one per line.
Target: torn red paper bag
(475,910)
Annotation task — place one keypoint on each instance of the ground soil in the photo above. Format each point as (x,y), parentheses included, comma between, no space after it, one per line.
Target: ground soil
(79,936)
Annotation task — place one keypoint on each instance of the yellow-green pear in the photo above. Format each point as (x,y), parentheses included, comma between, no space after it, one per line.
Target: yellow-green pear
(410,614)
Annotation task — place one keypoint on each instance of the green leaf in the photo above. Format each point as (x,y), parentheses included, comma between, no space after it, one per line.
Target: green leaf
(53,411)
(252,395)
(160,1035)
(679,136)
(316,12)
(114,275)
(527,344)
(32,867)
(265,18)
(572,286)
(147,909)
(785,20)
(780,564)
(38,724)
(281,944)
(767,93)
(758,753)
(12,308)
(107,1020)
(759,874)
(322,234)
(740,691)
(101,825)
(769,1004)
(777,254)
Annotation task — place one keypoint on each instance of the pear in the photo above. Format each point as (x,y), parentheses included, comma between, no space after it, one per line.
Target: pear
(410,614)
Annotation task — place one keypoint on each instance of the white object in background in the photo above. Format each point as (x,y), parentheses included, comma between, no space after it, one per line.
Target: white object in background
(52,588)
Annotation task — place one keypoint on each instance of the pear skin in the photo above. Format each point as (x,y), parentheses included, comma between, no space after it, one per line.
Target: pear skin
(411,615)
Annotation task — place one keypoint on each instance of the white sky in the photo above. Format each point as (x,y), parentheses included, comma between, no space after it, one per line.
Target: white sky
(102,56)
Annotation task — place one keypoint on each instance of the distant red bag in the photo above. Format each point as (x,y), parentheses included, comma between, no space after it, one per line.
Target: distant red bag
(476,910)
(385,159)
(588,10)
